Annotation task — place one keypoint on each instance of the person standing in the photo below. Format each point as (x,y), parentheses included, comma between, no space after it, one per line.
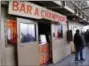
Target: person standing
(87,37)
(78,42)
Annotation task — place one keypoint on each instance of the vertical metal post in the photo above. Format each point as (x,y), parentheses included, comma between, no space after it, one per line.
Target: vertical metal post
(67,25)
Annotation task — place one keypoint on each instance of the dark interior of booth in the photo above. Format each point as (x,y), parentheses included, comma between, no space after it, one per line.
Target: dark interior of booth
(44,27)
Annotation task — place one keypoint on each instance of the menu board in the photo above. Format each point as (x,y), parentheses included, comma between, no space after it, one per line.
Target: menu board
(44,55)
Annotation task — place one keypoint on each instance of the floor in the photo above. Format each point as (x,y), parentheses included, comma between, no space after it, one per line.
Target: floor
(69,61)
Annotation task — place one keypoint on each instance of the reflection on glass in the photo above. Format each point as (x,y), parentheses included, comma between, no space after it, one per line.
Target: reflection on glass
(27,32)
(31,30)
(10,32)
(58,31)
(8,36)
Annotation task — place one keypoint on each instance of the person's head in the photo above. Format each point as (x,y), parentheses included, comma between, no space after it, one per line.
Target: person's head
(77,31)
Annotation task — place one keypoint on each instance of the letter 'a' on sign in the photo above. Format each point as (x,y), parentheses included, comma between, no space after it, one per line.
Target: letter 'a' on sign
(36,12)
(30,10)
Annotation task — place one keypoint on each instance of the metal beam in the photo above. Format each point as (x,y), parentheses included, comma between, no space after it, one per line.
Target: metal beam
(85,8)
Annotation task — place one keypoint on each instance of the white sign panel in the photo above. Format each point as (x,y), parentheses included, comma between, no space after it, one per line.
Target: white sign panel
(27,9)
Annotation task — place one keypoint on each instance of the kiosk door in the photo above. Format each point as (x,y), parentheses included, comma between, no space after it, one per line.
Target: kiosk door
(27,47)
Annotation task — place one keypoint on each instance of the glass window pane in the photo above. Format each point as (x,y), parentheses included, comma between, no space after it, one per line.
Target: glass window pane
(23,28)
(27,32)
(58,31)
(31,29)
(31,32)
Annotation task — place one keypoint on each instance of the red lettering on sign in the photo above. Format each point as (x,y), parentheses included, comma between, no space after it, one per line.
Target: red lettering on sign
(42,13)
(49,16)
(15,6)
(46,14)
(22,8)
(62,18)
(53,16)
(29,9)
(56,18)
(59,18)
(36,12)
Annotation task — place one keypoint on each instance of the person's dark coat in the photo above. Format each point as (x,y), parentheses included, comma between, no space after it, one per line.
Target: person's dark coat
(87,36)
(78,41)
